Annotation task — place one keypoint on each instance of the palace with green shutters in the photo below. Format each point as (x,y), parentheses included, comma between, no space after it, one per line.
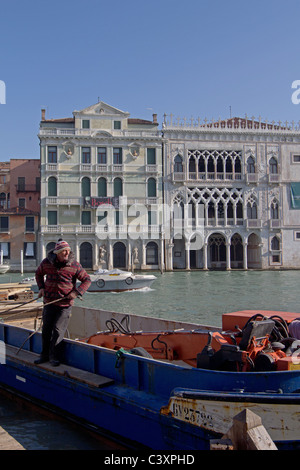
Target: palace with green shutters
(195,194)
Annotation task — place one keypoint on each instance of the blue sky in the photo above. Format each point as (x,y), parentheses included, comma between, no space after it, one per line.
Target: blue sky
(190,58)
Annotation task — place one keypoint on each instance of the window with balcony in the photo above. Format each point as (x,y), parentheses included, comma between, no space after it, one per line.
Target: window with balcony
(117,156)
(178,164)
(274,210)
(117,125)
(151,156)
(86,155)
(101,156)
(86,218)
(52,186)
(250,165)
(52,217)
(251,210)
(273,166)
(52,154)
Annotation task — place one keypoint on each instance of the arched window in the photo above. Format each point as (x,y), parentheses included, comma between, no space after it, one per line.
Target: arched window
(192,165)
(275,244)
(178,165)
(102,187)
(86,255)
(152,253)
(85,187)
(118,187)
(250,165)
(237,165)
(252,210)
(52,186)
(273,165)
(274,210)
(3,200)
(151,187)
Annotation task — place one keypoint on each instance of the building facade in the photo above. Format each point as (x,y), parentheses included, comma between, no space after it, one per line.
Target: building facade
(101,188)
(19,213)
(234,194)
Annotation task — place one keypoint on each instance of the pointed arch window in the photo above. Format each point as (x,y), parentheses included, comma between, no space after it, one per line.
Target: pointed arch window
(273,166)
(178,164)
(250,165)
(252,210)
(275,244)
(274,210)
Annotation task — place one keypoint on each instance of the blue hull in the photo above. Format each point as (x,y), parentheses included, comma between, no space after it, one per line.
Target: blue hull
(125,395)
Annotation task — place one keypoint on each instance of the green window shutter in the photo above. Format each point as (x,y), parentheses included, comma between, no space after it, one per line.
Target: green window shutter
(151,160)
(86,218)
(118,187)
(52,186)
(151,187)
(102,187)
(85,187)
(52,217)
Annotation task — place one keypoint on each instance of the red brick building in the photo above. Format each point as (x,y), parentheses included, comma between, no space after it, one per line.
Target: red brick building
(19,212)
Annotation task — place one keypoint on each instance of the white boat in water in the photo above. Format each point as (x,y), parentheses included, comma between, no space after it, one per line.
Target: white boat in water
(4,268)
(116,280)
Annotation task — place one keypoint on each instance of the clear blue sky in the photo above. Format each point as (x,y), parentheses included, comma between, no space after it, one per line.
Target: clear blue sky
(190,58)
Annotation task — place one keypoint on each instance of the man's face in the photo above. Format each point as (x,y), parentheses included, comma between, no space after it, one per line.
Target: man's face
(63,256)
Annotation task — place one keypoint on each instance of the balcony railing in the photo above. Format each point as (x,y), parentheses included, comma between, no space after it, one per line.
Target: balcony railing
(208,176)
(27,188)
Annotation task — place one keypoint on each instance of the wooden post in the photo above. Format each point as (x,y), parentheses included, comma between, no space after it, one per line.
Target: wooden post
(246,433)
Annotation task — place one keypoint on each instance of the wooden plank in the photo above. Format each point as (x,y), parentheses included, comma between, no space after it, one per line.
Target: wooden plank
(7,442)
(64,370)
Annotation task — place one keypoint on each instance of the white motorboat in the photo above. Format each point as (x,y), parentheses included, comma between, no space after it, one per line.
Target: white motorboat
(4,268)
(116,280)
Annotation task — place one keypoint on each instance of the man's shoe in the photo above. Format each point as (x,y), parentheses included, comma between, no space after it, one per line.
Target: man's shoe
(41,360)
(54,362)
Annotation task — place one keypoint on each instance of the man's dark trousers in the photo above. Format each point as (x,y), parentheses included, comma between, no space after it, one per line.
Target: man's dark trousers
(55,324)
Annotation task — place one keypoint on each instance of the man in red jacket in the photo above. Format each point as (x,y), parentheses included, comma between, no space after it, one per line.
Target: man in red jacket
(56,279)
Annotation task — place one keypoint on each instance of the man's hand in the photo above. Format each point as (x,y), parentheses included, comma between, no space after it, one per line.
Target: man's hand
(41,293)
(73,294)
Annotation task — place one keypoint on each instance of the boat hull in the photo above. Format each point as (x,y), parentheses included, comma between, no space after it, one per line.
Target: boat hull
(120,283)
(4,268)
(109,389)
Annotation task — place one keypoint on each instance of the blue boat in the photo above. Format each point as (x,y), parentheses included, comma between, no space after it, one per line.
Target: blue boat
(156,403)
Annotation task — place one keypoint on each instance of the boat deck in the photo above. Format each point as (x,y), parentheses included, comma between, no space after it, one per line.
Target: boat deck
(28,357)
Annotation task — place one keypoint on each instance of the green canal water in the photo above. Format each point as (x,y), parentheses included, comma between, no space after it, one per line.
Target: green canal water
(196,296)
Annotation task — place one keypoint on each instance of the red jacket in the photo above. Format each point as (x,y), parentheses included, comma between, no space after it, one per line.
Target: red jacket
(59,279)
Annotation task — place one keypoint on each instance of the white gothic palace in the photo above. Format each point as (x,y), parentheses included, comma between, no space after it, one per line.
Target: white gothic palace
(234,186)
(189,195)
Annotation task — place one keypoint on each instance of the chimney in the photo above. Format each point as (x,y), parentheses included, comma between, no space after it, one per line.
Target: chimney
(43,114)
(154,118)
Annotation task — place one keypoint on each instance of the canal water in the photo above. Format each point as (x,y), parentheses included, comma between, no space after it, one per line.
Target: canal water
(196,297)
